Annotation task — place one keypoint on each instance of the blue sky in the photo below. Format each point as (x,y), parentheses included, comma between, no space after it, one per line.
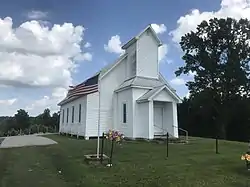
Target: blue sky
(31,83)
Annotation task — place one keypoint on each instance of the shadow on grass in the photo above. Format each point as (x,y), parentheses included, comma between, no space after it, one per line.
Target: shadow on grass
(245,173)
(242,171)
(3,165)
(72,169)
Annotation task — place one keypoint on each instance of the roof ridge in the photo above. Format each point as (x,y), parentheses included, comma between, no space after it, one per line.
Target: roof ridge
(135,38)
(110,65)
(85,80)
(100,71)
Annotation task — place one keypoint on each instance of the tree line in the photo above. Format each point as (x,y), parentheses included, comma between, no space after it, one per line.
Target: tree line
(218,53)
(22,123)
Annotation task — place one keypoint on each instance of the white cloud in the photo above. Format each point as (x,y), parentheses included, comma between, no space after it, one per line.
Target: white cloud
(187,95)
(178,81)
(114,45)
(159,29)
(34,55)
(87,45)
(83,57)
(169,61)
(190,73)
(228,8)
(37,106)
(59,92)
(8,102)
(37,14)
(162,52)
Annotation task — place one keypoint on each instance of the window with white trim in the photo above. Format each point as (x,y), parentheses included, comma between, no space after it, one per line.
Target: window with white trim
(63,116)
(67,118)
(80,112)
(73,114)
(124,113)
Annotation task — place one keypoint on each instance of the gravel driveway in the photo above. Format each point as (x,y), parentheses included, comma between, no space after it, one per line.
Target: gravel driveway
(26,140)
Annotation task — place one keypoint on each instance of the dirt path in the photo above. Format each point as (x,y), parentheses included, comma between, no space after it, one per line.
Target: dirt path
(26,140)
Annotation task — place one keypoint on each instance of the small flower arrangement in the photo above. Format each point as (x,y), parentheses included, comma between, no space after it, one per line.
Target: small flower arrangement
(245,157)
(114,136)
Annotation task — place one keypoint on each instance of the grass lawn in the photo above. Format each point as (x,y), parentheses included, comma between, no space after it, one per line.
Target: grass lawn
(134,164)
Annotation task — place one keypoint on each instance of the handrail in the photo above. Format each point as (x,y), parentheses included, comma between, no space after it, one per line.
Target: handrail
(183,130)
(164,130)
(186,132)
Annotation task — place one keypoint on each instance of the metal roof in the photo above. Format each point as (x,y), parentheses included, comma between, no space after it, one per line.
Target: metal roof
(149,94)
(140,81)
(98,74)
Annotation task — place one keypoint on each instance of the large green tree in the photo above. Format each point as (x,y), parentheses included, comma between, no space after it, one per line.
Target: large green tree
(218,52)
(55,120)
(45,118)
(22,119)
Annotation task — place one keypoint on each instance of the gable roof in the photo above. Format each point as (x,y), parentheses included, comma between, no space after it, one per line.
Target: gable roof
(87,87)
(161,77)
(154,85)
(141,82)
(80,90)
(90,85)
(152,93)
(146,82)
(110,66)
(134,39)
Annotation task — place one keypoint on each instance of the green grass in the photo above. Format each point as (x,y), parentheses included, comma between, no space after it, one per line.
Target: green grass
(134,164)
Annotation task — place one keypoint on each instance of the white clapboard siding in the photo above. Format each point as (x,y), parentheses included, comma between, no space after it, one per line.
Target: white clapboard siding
(108,85)
(92,114)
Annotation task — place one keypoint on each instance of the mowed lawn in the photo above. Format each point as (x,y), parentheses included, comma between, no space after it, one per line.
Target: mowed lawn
(135,163)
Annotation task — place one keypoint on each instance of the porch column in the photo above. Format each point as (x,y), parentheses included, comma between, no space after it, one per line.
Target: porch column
(115,113)
(175,120)
(60,122)
(151,120)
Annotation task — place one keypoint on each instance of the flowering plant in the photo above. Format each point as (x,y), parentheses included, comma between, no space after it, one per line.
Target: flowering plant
(114,135)
(246,157)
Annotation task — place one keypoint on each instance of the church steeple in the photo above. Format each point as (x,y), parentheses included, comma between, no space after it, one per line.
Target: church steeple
(142,51)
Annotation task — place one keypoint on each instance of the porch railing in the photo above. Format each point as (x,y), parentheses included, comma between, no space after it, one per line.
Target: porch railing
(183,130)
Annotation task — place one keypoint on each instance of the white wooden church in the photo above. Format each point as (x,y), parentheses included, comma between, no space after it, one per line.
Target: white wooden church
(130,96)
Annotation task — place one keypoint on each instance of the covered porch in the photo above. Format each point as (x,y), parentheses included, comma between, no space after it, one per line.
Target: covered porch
(159,110)
(163,116)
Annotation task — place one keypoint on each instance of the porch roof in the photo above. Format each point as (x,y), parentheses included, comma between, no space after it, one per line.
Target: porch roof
(152,93)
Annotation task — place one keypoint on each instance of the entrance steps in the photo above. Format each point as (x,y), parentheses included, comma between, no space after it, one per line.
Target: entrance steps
(163,138)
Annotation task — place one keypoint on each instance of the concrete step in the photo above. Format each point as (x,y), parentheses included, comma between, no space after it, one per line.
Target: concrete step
(171,139)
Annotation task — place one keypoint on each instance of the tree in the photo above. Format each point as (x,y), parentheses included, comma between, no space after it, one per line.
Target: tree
(219,53)
(22,119)
(45,118)
(55,120)
(8,123)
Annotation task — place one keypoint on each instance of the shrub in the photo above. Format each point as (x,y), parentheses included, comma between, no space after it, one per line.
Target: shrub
(13,132)
(26,131)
